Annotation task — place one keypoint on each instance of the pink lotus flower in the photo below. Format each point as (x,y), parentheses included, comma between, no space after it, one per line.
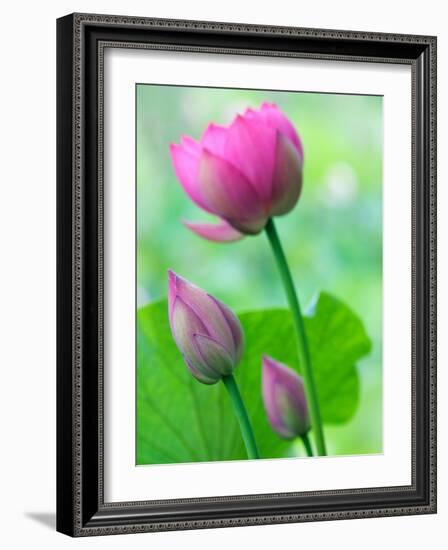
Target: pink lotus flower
(207,333)
(244,173)
(284,399)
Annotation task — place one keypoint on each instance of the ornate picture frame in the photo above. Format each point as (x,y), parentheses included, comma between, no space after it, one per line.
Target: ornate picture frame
(81,42)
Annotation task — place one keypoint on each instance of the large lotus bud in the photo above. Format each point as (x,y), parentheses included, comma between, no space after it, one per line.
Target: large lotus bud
(207,333)
(284,399)
(244,173)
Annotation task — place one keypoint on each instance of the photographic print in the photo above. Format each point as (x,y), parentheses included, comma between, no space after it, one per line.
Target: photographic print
(259,274)
(246,274)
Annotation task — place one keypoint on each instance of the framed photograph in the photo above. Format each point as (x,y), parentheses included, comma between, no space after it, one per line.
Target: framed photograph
(246,274)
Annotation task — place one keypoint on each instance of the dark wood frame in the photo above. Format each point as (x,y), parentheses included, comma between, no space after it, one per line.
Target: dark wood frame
(81,39)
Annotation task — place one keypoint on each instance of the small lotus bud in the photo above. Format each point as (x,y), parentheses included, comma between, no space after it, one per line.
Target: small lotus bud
(207,333)
(284,399)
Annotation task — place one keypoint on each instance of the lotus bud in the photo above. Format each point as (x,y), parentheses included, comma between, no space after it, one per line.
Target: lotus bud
(207,333)
(284,399)
(243,173)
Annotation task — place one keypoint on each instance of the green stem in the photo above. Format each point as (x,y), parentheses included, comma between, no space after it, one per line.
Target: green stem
(302,343)
(241,415)
(307,444)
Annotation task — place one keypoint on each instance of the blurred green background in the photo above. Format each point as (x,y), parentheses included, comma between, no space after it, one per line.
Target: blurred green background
(333,238)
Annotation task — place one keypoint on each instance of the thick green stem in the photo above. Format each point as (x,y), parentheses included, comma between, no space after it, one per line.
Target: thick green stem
(302,344)
(307,444)
(241,415)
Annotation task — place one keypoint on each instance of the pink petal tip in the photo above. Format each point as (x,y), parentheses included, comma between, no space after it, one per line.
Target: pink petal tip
(221,232)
